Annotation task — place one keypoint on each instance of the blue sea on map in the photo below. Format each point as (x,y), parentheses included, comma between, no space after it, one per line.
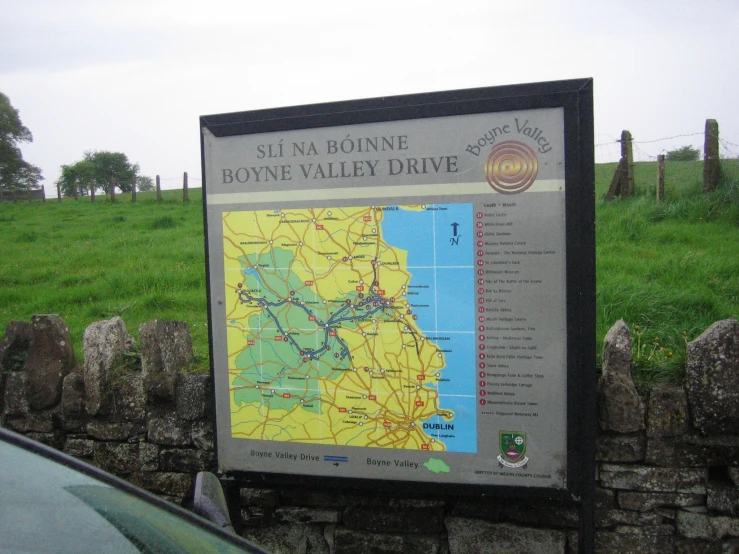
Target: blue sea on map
(440,255)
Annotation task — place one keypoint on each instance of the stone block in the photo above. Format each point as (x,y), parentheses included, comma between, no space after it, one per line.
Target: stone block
(348,541)
(169,483)
(73,424)
(700,546)
(573,540)
(704,526)
(712,378)
(394,520)
(127,398)
(79,448)
(109,431)
(193,396)
(653,479)
(605,498)
(645,501)
(549,516)
(330,499)
(693,450)
(166,348)
(289,539)
(55,440)
(668,414)
(609,542)
(73,395)
(306,515)
(50,359)
(202,435)
(14,346)
(169,431)
(668,514)
(482,537)
(482,509)
(256,516)
(621,448)
(13,351)
(104,343)
(664,530)
(610,518)
(723,498)
(116,457)
(620,408)
(149,456)
(15,402)
(266,498)
(185,460)
(31,423)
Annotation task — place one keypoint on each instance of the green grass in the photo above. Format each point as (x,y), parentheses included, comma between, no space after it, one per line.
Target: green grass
(89,262)
(669,269)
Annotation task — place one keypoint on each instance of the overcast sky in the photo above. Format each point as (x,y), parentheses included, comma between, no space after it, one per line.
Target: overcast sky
(135,76)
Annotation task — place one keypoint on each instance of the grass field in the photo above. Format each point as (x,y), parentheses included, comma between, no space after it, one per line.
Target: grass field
(669,269)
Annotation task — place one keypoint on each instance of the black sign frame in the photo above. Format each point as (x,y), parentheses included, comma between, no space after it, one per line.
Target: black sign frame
(575,97)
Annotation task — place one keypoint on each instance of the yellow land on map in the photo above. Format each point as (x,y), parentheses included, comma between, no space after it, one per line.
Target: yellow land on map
(323,346)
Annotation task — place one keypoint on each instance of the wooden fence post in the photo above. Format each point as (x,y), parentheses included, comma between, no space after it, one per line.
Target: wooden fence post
(185,197)
(159,190)
(133,189)
(43,194)
(628,153)
(711,162)
(619,183)
(660,177)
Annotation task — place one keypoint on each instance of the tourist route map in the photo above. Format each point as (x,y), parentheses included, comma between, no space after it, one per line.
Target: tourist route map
(342,326)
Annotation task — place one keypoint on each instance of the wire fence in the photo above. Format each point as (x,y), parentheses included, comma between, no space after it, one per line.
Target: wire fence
(609,151)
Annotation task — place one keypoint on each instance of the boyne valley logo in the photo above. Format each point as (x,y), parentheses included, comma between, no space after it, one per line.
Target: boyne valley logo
(511,167)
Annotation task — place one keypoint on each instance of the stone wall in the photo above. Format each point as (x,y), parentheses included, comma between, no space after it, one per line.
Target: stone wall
(667,472)
(134,414)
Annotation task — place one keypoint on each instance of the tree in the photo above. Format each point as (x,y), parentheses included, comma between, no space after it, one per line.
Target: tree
(16,174)
(683,154)
(98,170)
(144,183)
(111,169)
(79,176)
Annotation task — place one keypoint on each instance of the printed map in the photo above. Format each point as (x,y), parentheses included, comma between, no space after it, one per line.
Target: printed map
(352,326)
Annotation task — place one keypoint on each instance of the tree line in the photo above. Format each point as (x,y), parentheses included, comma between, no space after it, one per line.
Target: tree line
(97,170)
(102,170)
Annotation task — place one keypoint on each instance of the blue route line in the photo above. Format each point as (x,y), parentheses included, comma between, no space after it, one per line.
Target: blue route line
(245,296)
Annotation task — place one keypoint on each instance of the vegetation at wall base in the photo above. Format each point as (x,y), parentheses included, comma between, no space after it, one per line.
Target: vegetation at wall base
(669,269)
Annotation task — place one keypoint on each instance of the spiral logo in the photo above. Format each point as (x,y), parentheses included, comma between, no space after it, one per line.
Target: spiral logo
(511,167)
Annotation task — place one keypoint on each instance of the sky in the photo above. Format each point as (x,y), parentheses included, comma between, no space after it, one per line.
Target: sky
(135,76)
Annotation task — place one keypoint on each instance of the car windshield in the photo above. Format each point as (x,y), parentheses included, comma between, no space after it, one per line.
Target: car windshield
(48,507)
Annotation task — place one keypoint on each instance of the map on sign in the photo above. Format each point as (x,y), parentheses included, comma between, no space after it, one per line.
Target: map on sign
(352,326)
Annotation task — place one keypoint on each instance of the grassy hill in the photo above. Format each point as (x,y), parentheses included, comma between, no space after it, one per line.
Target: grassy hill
(669,269)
